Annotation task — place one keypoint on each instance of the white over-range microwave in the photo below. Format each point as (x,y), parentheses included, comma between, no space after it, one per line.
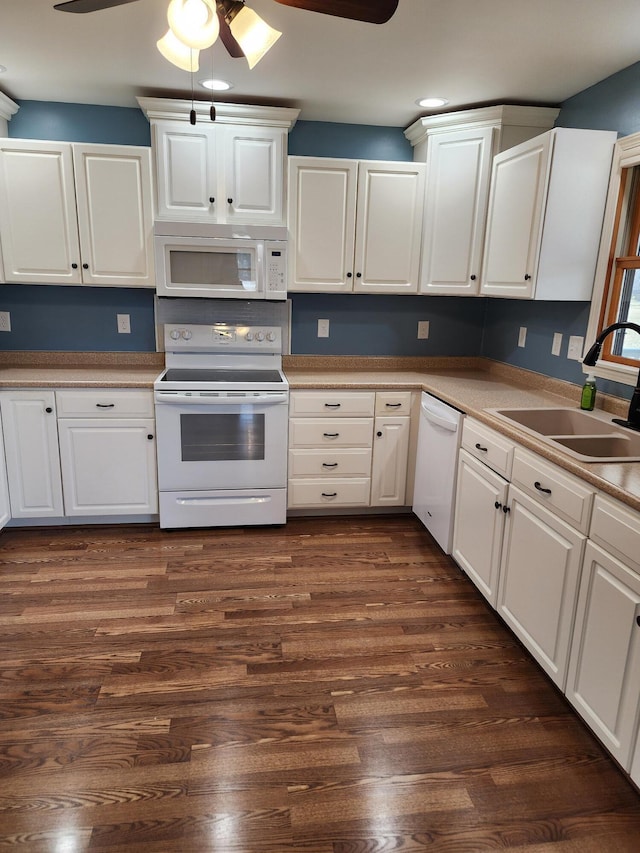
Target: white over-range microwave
(221,261)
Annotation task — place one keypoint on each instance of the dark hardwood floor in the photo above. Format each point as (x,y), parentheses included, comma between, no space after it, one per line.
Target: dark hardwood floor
(332,686)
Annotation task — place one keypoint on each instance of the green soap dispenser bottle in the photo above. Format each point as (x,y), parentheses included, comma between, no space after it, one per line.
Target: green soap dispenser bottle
(588,398)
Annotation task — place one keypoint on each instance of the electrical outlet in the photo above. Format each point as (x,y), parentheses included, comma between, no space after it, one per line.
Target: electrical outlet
(576,343)
(423,329)
(5,321)
(124,324)
(522,336)
(323,328)
(557,343)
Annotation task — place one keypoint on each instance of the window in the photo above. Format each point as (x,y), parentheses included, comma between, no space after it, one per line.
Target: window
(616,296)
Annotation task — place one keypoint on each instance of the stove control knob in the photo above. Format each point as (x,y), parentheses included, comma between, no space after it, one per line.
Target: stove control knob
(260,336)
(249,336)
(174,334)
(271,336)
(186,334)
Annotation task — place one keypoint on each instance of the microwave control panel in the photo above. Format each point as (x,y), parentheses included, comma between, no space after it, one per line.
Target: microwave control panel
(276,267)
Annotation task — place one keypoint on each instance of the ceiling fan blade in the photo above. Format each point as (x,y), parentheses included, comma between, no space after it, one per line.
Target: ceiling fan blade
(89,5)
(371,11)
(233,48)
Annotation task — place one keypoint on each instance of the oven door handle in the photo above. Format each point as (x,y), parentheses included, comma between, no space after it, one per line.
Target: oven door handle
(178,399)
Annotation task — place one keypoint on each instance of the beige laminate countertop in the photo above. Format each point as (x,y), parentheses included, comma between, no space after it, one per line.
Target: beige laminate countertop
(473,390)
(79,370)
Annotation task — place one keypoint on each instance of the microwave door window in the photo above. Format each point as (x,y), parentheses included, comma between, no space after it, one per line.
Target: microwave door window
(222,437)
(233,270)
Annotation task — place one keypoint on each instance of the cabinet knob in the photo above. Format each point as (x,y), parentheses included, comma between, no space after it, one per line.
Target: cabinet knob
(150,437)
(74,266)
(48,410)
(358,275)
(638,620)
(506,510)
(211,199)
(498,505)
(379,434)
(527,277)
(85,266)
(473,277)
(229,201)
(349,275)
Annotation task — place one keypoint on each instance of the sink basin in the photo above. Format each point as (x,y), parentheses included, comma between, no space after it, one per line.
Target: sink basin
(588,436)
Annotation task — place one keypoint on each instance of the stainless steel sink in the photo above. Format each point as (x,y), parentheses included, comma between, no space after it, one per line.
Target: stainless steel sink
(588,436)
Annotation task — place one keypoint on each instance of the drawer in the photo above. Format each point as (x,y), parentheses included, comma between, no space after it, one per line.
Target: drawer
(331,493)
(321,432)
(114,403)
(334,462)
(493,449)
(392,403)
(616,528)
(332,404)
(567,496)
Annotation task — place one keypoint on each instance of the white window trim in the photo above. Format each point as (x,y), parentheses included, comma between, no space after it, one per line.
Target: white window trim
(626,153)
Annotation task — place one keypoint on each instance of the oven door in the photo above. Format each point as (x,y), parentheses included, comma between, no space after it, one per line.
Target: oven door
(216,440)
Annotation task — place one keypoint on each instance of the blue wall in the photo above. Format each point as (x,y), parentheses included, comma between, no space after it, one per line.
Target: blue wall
(352,141)
(80,123)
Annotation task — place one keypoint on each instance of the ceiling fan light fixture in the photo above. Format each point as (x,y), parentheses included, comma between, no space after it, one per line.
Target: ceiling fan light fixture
(177,52)
(194,22)
(253,34)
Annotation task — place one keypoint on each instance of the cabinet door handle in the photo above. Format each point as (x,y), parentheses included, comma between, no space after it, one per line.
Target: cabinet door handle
(105,405)
(332,405)
(393,405)
(329,464)
(85,266)
(498,505)
(483,449)
(379,434)
(329,494)
(74,266)
(358,275)
(506,509)
(349,275)
(540,488)
(473,277)
(150,437)
(638,620)
(527,277)
(48,410)
(229,201)
(211,199)
(331,434)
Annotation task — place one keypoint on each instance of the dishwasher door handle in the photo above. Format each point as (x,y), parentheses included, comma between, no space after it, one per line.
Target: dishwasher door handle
(436,420)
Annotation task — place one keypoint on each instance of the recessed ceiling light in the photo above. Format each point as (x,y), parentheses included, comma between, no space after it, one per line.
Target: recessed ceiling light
(432,102)
(216,85)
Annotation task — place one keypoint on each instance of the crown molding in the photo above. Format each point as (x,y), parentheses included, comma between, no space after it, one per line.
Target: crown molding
(7,107)
(506,114)
(165,109)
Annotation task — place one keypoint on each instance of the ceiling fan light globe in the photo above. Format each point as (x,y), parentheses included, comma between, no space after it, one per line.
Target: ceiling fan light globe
(254,35)
(178,53)
(194,22)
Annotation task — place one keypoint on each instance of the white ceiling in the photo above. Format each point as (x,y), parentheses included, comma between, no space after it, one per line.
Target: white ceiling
(472,52)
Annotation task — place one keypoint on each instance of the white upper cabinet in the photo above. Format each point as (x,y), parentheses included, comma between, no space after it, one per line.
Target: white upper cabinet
(76,214)
(355,226)
(226,172)
(458,172)
(546,206)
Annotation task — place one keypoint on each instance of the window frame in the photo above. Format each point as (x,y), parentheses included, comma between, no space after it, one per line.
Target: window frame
(626,155)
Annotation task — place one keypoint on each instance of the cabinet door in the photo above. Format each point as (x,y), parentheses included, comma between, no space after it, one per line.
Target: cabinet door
(186,177)
(604,670)
(253,174)
(108,467)
(322,218)
(458,172)
(38,223)
(389,227)
(514,224)
(5,505)
(389,466)
(31,447)
(115,216)
(539,576)
(479,524)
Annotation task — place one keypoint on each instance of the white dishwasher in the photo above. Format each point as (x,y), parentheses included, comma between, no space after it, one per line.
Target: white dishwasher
(439,436)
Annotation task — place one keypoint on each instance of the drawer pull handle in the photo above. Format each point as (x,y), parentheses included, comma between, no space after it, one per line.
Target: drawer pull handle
(480,447)
(105,405)
(332,405)
(331,434)
(540,488)
(393,405)
(329,464)
(329,494)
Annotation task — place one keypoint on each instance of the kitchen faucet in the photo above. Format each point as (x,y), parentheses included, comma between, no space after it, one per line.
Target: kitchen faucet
(633,416)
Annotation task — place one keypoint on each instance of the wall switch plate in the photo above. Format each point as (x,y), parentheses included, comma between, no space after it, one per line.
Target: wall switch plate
(124,324)
(576,343)
(423,329)
(5,321)
(522,336)
(323,328)
(557,343)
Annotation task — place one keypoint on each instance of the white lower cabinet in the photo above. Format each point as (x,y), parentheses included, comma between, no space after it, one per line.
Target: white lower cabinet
(97,458)
(479,523)
(5,505)
(31,449)
(346,450)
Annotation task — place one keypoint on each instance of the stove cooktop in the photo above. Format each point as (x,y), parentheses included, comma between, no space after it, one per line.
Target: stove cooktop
(215,376)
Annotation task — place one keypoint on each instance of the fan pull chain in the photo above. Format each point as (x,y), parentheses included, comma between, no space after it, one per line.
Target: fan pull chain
(192,114)
(212,111)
